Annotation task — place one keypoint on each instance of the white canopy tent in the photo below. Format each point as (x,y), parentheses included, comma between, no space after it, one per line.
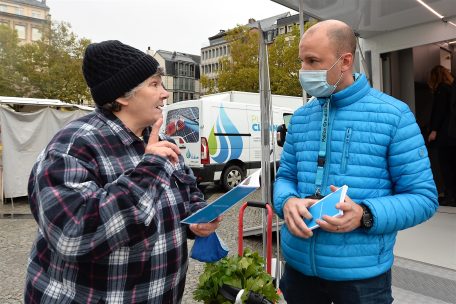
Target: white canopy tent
(25,133)
(386,25)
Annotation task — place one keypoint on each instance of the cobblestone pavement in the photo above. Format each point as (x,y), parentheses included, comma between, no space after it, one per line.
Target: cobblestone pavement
(18,228)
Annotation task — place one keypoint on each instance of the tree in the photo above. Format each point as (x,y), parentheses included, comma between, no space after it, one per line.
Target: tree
(239,72)
(284,64)
(208,84)
(53,65)
(9,77)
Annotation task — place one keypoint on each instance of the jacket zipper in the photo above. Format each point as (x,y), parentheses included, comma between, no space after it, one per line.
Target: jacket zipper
(312,252)
(332,113)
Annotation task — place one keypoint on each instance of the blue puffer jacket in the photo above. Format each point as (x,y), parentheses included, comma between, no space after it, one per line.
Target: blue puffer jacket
(376,148)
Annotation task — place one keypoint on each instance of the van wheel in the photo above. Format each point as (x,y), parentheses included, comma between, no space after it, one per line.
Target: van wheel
(232,176)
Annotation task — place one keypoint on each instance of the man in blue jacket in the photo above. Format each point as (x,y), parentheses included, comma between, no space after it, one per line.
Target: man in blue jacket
(355,135)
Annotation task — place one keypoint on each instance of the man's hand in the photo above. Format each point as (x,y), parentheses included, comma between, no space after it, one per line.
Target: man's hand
(346,223)
(206,228)
(293,211)
(162,148)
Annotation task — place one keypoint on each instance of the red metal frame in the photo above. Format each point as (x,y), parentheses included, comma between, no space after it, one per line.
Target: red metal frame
(269,234)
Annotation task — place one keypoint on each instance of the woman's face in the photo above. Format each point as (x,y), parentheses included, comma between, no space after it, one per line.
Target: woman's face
(145,106)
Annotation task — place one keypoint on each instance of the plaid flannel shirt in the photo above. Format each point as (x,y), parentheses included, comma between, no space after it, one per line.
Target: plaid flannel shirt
(109,218)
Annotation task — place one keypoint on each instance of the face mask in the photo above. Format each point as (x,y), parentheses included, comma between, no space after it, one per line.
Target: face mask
(315,82)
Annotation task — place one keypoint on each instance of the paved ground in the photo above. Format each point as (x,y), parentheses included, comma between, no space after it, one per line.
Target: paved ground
(413,282)
(18,228)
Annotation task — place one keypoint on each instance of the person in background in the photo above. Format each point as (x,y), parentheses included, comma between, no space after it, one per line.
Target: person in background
(109,191)
(441,83)
(348,134)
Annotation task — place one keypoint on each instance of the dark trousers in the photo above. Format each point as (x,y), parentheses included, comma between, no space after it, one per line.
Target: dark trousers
(299,288)
(447,162)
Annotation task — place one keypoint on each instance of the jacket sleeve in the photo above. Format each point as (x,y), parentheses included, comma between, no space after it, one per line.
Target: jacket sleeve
(414,198)
(440,107)
(83,220)
(285,185)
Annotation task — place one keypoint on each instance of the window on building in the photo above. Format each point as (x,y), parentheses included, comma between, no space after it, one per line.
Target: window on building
(19,11)
(36,14)
(36,34)
(20,31)
(3,8)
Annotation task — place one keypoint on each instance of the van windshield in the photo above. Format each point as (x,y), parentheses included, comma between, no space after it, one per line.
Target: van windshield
(184,123)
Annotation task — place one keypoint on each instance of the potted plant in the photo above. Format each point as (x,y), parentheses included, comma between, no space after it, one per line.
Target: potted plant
(242,272)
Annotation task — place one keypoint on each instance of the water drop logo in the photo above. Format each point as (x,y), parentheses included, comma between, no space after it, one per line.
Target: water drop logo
(223,148)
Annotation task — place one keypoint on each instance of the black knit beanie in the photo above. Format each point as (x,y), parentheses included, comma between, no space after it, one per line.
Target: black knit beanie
(112,69)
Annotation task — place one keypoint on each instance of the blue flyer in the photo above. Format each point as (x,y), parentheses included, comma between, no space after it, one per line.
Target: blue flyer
(226,201)
(326,206)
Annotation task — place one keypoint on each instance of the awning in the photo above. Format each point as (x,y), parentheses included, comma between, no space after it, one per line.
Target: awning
(41,102)
(372,17)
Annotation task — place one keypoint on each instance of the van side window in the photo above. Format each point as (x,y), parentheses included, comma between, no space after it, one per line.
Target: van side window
(183,123)
(286,119)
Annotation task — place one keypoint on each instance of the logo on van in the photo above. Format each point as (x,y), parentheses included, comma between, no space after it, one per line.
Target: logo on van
(224,147)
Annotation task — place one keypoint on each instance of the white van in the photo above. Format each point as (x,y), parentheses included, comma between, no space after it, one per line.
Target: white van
(219,137)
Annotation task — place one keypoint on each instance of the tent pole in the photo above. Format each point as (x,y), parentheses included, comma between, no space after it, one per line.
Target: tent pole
(266,109)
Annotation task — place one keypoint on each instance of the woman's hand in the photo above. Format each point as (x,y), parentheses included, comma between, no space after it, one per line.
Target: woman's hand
(163,148)
(432,136)
(205,229)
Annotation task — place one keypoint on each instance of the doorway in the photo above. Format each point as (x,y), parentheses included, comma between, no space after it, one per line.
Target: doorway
(405,74)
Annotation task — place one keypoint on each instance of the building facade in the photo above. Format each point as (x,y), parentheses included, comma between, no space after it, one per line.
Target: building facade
(27,17)
(182,74)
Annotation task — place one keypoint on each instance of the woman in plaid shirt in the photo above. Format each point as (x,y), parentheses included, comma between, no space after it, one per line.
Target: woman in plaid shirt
(108,194)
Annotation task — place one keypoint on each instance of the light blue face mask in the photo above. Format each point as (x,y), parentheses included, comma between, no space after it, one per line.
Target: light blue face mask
(315,82)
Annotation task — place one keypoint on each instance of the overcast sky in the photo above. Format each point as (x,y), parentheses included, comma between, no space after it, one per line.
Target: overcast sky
(172,25)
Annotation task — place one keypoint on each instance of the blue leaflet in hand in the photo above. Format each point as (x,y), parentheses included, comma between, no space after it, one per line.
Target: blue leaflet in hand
(226,201)
(326,206)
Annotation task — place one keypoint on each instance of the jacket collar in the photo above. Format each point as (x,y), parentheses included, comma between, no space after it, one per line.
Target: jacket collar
(350,94)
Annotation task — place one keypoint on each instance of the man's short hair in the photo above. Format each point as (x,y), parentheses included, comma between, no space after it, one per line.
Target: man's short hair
(343,38)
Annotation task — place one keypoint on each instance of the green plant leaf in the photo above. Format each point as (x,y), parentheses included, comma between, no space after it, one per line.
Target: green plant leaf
(245,272)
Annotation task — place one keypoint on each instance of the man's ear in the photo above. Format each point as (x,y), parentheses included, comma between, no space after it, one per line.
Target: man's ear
(347,62)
